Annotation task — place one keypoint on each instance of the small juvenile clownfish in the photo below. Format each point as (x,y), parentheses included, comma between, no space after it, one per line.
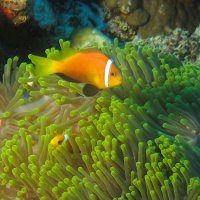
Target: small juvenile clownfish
(57,140)
(89,66)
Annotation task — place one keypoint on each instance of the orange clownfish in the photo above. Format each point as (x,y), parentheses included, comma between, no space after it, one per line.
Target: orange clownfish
(57,140)
(89,66)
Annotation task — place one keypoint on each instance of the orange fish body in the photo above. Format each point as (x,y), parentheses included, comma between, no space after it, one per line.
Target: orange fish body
(88,66)
(57,140)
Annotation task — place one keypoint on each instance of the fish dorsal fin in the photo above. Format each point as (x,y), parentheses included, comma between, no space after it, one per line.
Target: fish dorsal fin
(67,52)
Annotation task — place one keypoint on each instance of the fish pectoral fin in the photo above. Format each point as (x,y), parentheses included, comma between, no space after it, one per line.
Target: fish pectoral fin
(90,90)
(67,78)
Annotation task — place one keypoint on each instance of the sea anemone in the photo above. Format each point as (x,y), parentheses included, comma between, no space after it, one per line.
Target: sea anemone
(136,140)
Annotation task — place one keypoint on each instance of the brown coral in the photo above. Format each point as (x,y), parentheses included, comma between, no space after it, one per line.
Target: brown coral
(137,18)
(127,7)
(151,17)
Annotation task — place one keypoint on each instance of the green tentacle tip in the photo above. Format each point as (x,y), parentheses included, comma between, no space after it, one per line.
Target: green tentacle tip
(19,93)
(21,122)
(43,84)
(30,68)
(5,114)
(22,192)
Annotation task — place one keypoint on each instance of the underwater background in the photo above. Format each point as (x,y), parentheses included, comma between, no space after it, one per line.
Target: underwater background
(139,140)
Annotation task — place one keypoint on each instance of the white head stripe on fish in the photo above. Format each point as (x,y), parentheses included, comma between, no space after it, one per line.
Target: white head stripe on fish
(107,71)
(66,137)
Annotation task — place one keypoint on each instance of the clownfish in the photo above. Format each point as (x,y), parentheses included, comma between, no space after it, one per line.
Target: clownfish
(88,66)
(57,140)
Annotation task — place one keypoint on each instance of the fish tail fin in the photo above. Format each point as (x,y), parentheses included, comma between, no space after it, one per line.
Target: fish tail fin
(43,66)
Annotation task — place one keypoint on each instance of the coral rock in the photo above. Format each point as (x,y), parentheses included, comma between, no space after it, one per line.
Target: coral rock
(173,14)
(121,29)
(86,36)
(128,6)
(162,15)
(16,5)
(179,42)
(152,17)
(17,11)
(111,4)
(137,18)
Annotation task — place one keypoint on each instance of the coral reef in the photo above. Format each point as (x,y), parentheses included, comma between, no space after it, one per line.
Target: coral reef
(179,42)
(150,18)
(136,139)
(72,16)
(62,19)
(120,29)
(85,37)
(16,11)
(170,14)
(43,14)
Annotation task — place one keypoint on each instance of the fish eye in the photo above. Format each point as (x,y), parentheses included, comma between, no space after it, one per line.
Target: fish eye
(113,74)
(60,141)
